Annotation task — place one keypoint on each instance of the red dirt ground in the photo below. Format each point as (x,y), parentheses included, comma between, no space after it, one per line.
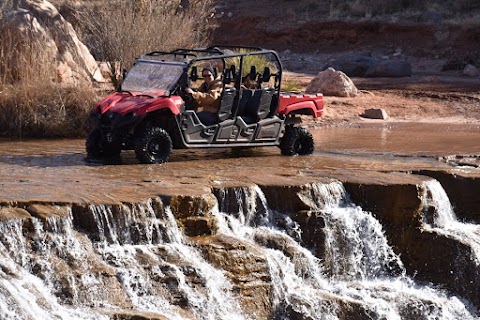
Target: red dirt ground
(306,44)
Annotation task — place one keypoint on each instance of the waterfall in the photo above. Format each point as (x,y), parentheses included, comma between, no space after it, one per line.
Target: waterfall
(135,260)
(127,224)
(435,200)
(171,260)
(49,270)
(439,215)
(359,269)
(356,247)
(24,295)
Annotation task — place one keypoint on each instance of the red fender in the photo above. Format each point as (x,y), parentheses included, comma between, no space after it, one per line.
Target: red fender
(173,103)
(309,104)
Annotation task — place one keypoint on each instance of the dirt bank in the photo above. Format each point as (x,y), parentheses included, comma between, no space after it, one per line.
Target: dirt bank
(437,51)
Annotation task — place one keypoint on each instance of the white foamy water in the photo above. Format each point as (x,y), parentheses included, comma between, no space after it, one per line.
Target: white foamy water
(139,260)
(24,295)
(439,216)
(137,267)
(53,272)
(359,268)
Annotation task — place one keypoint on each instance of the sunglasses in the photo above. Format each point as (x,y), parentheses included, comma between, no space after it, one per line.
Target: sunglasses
(206,75)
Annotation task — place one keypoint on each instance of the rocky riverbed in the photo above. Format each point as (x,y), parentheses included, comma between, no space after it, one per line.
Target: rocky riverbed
(362,208)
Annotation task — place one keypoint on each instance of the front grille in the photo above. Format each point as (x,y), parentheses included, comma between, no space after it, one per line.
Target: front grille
(108,118)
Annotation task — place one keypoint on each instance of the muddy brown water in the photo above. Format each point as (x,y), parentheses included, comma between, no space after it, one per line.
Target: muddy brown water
(57,171)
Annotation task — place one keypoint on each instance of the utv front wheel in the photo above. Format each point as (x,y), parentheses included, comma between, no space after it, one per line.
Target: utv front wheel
(97,147)
(297,141)
(154,145)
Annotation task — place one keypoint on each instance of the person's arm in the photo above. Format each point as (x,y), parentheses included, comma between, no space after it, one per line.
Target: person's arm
(209,98)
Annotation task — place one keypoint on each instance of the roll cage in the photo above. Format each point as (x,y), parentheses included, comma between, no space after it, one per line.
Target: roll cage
(229,61)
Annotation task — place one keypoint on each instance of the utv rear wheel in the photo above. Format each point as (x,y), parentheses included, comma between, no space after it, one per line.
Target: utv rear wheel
(97,147)
(154,145)
(297,141)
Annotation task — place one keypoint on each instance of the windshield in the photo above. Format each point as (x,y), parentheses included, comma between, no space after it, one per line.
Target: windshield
(148,76)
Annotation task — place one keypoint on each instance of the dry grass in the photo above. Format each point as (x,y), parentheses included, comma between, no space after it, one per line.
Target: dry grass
(292,85)
(34,104)
(43,110)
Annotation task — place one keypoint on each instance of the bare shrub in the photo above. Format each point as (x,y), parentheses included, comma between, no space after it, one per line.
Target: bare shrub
(4,6)
(31,102)
(119,31)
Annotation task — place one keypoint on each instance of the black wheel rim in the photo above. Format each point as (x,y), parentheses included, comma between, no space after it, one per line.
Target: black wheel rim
(302,146)
(154,147)
(157,148)
(299,146)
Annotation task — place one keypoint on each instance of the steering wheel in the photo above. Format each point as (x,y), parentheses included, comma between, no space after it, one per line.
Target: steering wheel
(187,98)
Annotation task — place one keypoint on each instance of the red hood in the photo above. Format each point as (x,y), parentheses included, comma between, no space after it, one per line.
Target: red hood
(126,102)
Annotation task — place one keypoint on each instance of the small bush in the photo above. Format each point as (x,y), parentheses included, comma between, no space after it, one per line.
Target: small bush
(32,104)
(289,85)
(36,110)
(120,31)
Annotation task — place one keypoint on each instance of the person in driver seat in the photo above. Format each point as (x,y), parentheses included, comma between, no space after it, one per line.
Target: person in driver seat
(207,97)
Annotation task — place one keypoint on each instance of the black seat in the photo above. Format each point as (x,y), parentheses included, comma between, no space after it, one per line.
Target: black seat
(242,104)
(258,106)
(225,109)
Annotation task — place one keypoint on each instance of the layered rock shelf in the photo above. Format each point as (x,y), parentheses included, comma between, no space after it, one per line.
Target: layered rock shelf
(223,234)
(61,243)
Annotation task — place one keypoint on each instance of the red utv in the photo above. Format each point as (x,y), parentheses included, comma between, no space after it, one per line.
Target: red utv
(151,114)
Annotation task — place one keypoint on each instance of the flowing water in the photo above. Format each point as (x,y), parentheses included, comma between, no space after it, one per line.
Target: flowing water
(133,260)
(359,266)
(439,216)
(50,270)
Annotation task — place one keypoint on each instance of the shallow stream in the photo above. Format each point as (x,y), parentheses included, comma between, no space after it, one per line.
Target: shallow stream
(132,260)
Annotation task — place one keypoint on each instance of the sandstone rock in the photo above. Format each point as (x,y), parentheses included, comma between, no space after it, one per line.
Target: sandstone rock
(51,216)
(13,214)
(311,223)
(375,114)
(84,220)
(287,198)
(333,83)
(395,205)
(134,315)
(43,211)
(184,206)
(197,226)
(40,20)
(246,267)
(471,71)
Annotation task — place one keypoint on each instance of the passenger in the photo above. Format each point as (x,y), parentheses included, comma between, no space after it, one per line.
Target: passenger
(248,83)
(207,97)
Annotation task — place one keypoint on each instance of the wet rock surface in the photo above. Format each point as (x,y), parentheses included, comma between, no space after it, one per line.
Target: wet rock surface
(44,184)
(56,171)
